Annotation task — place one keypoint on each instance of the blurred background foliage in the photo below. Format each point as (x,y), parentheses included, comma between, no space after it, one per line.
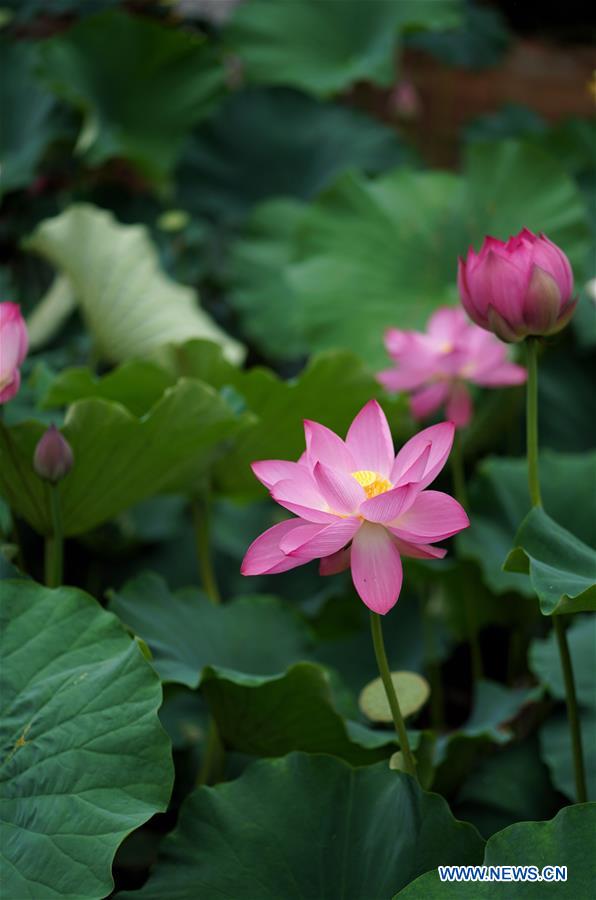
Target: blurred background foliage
(211,210)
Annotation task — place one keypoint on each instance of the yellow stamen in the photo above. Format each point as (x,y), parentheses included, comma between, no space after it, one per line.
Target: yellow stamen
(373,483)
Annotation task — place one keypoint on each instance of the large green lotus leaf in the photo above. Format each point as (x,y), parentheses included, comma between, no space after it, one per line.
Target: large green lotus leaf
(373,253)
(557,752)
(506,787)
(273,715)
(494,709)
(362,259)
(120,459)
(479,42)
(257,276)
(239,652)
(27,121)
(186,632)
(137,384)
(323,46)
(308,144)
(500,501)
(140,85)
(22,11)
(565,373)
(563,841)
(85,760)
(306,827)
(129,304)
(331,389)
(545,662)
(555,744)
(562,568)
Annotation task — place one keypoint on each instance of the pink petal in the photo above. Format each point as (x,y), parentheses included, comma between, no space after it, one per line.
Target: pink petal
(388,506)
(433,516)
(302,496)
(498,282)
(13,333)
(401,379)
(11,355)
(315,541)
(415,472)
(270,471)
(336,563)
(459,405)
(428,400)
(440,438)
(264,555)
(12,388)
(341,491)
(369,440)
(323,445)
(419,551)
(502,375)
(376,568)
(447,324)
(552,259)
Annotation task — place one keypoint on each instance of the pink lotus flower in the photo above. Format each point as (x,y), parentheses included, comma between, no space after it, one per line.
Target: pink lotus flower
(434,366)
(359,505)
(517,288)
(13,349)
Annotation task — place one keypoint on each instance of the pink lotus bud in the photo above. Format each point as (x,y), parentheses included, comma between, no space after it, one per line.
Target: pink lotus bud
(53,457)
(404,101)
(517,288)
(13,349)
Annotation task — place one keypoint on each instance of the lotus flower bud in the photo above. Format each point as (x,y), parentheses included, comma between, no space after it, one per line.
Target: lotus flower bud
(517,288)
(13,349)
(53,457)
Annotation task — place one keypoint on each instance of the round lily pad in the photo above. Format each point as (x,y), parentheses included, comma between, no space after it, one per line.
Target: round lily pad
(412,691)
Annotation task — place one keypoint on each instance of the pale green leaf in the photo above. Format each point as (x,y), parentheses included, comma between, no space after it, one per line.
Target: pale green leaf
(129,304)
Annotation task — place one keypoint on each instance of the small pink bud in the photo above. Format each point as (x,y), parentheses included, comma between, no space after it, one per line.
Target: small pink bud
(53,457)
(404,101)
(517,288)
(13,349)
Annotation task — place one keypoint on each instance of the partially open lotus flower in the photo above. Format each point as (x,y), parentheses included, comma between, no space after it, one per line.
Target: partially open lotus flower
(13,349)
(435,366)
(519,287)
(359,505)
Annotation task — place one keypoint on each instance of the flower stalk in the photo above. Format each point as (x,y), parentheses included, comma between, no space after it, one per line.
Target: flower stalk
(532,422)
(385,673)
(559,627)
(200,515)
(461,494)
(54,542)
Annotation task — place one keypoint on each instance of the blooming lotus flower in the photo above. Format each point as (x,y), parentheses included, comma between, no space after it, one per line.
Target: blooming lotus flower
(434,366)
(13,349)
(517,288)
(359,505)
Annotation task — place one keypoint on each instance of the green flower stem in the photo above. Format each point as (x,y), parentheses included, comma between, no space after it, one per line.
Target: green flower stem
(572,714)
(400,728)
(212,766)
(54,542)
(536,498)
(200,515)
(461,494)
(532,421)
